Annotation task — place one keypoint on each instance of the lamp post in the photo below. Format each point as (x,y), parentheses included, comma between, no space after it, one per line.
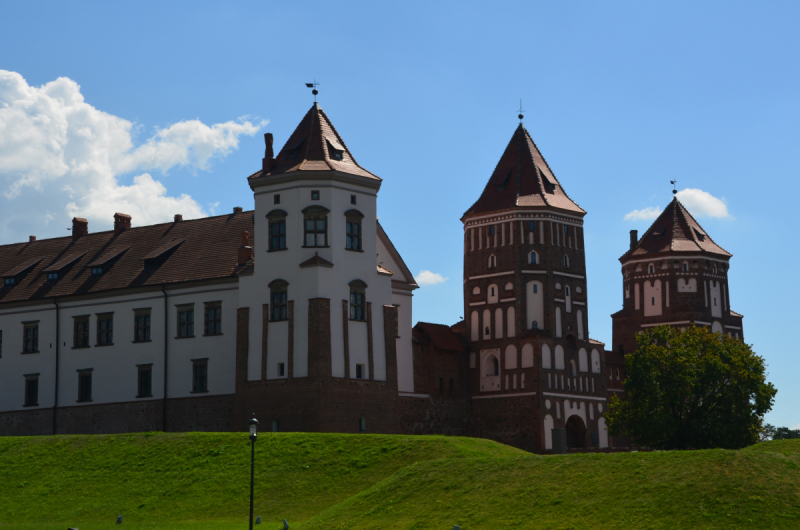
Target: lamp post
(253,434)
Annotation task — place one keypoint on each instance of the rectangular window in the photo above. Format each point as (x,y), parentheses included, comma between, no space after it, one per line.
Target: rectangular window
(353,235)
(32,390)
(531,225)
(277,234)
(357,305)
(491,230)
(316,231)
(281,370)
(185,321)
(566,230)
(279,305)
(275,426)
(360,371)
(141,325)
(199,375)
(84,385)
(145,382)
(97,271)
(314,195)
(352,199)
(80,332)
(52,276)
(105,329)
(362,425)
(9,282)
(276,199)
(213,314)
(30,337)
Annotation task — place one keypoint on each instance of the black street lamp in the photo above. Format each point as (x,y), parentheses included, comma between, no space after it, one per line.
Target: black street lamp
(253,435)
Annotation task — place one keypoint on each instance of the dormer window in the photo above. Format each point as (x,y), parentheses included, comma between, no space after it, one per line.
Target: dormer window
(295,152)
(9,282)
(52,276)
(97,271)
(335,149)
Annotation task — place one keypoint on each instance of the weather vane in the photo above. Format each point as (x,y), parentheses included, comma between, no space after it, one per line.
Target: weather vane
(674,189)
(314,91)
(520,111)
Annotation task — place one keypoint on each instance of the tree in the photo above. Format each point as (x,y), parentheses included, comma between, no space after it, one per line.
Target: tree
(785,433)
(691,389)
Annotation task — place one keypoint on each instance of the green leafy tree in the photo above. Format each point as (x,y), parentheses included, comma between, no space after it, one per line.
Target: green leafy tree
(691,389)
(785,433)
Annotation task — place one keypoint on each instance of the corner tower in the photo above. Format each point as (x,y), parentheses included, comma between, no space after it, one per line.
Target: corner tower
(675,275)
(526,309)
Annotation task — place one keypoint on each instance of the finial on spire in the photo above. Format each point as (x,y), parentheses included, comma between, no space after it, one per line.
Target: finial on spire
(674,189)
(520,111)
(314,87)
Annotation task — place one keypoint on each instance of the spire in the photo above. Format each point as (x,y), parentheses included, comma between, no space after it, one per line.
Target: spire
(315,146)
(522,178)
(675,230)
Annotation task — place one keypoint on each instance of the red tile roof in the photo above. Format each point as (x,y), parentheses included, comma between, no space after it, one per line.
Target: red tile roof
(441,336)
(311,148)
(675,230)
(522,178)
(209,249)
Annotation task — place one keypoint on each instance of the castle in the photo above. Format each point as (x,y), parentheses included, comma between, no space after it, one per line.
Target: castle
(300,311)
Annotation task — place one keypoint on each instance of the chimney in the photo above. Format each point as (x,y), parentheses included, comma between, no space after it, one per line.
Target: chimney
(237,209)
(245,251)
(634,238)
(178,218)
(122,222)
(269,157)
(80,227)
(31,239)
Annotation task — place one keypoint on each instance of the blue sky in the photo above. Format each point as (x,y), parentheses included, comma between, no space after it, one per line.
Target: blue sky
(621,98)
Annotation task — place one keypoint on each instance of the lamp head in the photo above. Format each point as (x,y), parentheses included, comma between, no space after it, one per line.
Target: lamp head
(253,424)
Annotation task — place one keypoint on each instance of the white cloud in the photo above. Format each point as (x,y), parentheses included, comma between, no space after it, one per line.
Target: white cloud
(645,214)
(702,204)
(429,278)
(796,427)
(60,157)
(699,203)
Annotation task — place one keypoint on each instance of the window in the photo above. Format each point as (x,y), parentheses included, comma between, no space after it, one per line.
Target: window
(295,152)
(335,149)
(651,268)
(353,229)
(276,199)
(316,231)
(145,380)
(357,305)
(185,321)
(52,276)
(362,425)
(277,230)
(97,271)
(491,230)
(534,325)
(213,315)
(685,266)
(278,290)
(653,300)
(32,390)
(141,325)
(30,337)
(9,282)
(199,375)
(80,335)
(495,366)
(532,258)
(566,261)
(105,329)
(281,370)
(566,230)
(85,385)
(535,288)
(360,371)
(314,195)
(352,199)
(531,225)
(492,261)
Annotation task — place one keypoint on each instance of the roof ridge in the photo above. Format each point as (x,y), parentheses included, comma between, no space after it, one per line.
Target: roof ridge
(705,232)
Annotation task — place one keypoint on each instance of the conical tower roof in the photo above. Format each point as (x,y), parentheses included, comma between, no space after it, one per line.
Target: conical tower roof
(315,145)
(675,230)
(522,178)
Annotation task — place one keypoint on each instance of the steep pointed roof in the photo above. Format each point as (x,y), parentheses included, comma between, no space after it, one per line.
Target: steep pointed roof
(675,230)
(522,178)
(315,145)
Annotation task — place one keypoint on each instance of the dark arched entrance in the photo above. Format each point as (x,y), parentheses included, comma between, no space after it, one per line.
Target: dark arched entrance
(576,433)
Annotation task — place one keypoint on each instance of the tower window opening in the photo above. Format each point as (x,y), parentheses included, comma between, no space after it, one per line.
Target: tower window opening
(653,300)
(535,288)
(534,325)
(491,230)
(532,225)
(651,269)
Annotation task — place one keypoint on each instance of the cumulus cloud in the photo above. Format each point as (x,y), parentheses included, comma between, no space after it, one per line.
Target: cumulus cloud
(702,204)
(60,157)
(649,213)
(429,278)
(699,203)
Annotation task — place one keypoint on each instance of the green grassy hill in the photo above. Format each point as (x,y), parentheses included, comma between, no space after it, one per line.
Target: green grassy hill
(330,481)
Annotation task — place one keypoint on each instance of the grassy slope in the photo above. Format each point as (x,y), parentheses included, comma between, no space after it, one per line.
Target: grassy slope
(350,481)
(202,476)
(758,487)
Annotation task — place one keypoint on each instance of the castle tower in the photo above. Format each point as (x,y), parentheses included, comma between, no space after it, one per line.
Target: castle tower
(676,275)
(526,309)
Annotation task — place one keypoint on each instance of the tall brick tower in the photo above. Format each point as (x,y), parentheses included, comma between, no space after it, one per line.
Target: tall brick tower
(677,275)
(533,368)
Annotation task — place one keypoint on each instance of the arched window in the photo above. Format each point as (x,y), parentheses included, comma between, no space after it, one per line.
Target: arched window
(353,229)
(475,326)
(558,322)
(277,230)
(496,366)
(278,297)
(498,323)
(572,371)
(476,290)
(511,321)
(566,261)
(492,261)
(509,286)
(583,360)
(358,304)
(533,258)
(579,316)
(316,226)
(511,357)
(595,361)
(568,298)
(527,356)
(546,358)
(559,357)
